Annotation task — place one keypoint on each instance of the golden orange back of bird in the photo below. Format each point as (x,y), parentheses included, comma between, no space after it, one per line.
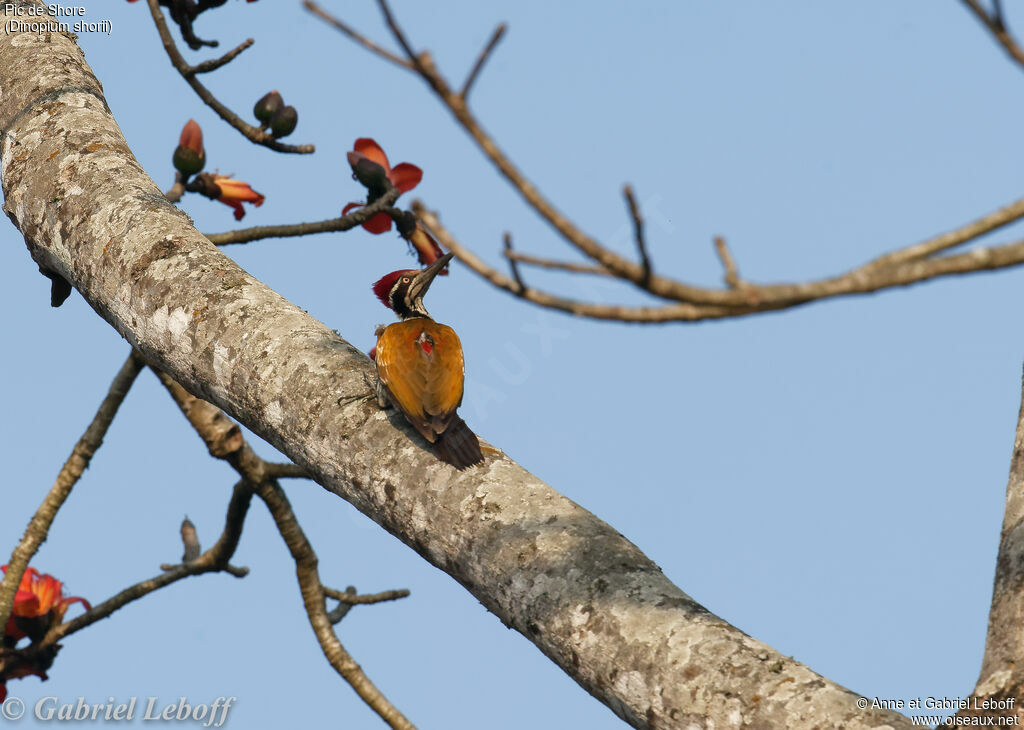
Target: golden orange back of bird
(420,362)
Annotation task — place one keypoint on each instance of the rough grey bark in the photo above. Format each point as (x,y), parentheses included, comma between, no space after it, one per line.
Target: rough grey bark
(586,596)
(1002,671)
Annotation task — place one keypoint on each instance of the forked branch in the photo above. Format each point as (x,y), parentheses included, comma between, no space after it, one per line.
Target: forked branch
(189,73)
(673,299)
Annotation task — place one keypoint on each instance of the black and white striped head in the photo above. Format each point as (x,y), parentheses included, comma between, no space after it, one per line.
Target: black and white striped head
(402,291)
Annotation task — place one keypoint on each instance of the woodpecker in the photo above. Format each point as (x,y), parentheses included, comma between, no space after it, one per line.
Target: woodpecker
(420,368)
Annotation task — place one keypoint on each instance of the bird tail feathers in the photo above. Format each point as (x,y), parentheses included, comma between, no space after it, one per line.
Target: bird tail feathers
(458,445)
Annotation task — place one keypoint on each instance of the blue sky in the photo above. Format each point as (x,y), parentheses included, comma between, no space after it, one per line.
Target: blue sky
(828,479)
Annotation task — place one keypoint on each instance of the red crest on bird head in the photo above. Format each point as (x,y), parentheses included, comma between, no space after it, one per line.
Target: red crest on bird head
(382,288)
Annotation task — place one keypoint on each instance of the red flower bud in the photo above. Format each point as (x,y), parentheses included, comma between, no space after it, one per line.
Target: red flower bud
(189,156)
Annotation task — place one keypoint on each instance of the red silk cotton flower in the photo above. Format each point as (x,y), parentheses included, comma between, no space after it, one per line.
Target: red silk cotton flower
(235,192)
(39,604)
(371,167)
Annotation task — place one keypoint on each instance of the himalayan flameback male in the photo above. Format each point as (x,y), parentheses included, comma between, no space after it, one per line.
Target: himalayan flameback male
(420,369)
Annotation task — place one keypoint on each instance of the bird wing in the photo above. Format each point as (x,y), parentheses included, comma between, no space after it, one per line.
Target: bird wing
(421,363)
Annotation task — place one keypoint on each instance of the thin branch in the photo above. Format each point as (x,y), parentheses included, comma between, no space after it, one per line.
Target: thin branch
(482,59)
(214,63)
(667,313)
(557,265)
(213,560)
(951,239)
(76,464)
(512,263)
(224,441)
(688,302)
(997,27)
(190,541)
(187,72)
(352,598)
(732,276)
(313,598)
(638,233)
(343,223)
(356,36)
(396,31)
(754,298)
(349,598)
(285,471)
(424,67)
(177,190)
(997,13)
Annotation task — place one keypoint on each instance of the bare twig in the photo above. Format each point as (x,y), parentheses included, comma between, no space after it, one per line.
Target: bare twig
(482,59)
(750,298)
(997,13)
(214,63)
(352,598)
(224,441)
(313,598)
(343,223)
(997,27)
(543,263)
(687,302)
(188,73)
(396,31)
(732,277)
(349,598)
(357,37)
(513,264)
(638,233)
(177,190)
(190,539)
(213,560)
(285,471)
(70,473)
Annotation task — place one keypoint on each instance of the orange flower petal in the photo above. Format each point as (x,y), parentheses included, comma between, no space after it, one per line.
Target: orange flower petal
(380,223)
(237,205)
(26,603)
(350,207)
(369,148)
(405,176)
(61,608)
(231,189)
(48,590)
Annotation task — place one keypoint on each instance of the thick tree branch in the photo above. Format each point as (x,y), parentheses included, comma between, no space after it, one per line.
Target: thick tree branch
(1002,669)
(570,583)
